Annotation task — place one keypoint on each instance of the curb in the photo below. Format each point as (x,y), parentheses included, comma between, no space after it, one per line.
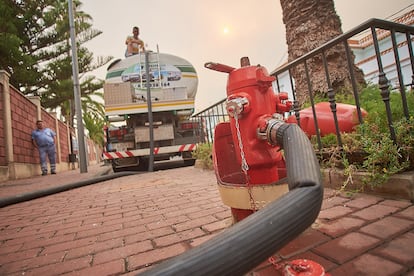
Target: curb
(398,186)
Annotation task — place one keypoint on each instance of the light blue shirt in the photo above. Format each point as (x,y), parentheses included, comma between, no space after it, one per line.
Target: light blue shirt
(43,137)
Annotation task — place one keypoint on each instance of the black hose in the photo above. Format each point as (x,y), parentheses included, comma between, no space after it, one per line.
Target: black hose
(49,191)
(245,245)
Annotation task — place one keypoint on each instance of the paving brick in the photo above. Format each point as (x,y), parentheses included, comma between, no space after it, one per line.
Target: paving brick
(400,249)
(333,201)
(26,239)
(179,237)
(44,242)
(308,239)
(218,225)
(171,203)
(121,233)
(328,193)
(58,226)
(149,212)
(223,215)
(98,230)
(159,223)
(64,246)
(363,201)
(407,213)
(121,252)
(184,210)
(396,203)
(82,228)
(154,256)
(147,235)
(338,227)
(198,241)
(375,212)
(111,268)
(18,234)
(387,227)
(368,264)
(176,220)
(139,221)
(206,212)
(17,256)
(60,268)
(346,247)
(334,212)
(27,264)
(7,249)
(194,223)
(93,248)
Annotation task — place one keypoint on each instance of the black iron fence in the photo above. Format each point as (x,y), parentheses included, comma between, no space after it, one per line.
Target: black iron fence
(397,35)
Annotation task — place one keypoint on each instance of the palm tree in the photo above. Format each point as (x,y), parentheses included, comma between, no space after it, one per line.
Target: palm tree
(57,92)
(309,24)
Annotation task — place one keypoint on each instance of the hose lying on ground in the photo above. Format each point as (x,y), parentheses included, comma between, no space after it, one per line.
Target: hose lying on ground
(50,191)
(246,244)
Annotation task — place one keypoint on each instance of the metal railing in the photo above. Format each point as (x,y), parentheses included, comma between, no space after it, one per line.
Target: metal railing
(214,114)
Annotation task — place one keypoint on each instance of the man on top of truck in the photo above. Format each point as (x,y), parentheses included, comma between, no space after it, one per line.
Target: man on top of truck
(134,43)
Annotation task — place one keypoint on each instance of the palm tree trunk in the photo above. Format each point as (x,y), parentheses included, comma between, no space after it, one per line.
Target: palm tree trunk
(309,24)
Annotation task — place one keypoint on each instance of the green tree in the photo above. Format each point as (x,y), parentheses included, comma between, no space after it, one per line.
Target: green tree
(21,66)
(35,49)
(94,124)
(59,86)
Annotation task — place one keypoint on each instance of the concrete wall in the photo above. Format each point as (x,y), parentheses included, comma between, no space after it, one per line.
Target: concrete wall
(18,116)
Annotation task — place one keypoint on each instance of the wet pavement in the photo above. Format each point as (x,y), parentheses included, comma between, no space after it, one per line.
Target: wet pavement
(128,224)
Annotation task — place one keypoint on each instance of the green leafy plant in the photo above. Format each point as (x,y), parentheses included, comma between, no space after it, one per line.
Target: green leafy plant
(370,148)
(203,152)
(384,157)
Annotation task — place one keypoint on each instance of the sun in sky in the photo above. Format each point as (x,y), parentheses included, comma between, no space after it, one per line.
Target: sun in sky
(226,30)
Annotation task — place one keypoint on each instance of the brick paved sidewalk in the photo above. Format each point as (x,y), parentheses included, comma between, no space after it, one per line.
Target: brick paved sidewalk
(125,225)
(25,185)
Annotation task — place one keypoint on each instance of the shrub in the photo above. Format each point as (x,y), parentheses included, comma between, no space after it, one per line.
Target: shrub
(204,152)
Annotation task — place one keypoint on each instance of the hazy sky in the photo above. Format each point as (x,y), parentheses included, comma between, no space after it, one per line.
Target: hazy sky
(212,30)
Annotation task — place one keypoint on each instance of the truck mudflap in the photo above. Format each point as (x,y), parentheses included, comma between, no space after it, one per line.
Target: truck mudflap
(146,152)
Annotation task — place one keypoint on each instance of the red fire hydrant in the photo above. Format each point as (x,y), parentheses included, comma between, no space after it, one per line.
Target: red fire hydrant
(246,164)
(250,170)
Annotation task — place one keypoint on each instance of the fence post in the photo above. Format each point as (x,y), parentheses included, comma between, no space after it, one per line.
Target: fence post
(36,101)
(8,132)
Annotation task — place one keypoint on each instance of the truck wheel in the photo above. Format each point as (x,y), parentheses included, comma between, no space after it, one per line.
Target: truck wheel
(143,164)
(189,162)
(116,169)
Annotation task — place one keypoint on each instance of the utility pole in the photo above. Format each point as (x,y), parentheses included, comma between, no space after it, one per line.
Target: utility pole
(150,117)
(77,92)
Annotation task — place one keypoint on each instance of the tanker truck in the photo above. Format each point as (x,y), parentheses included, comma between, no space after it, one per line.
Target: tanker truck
(173,85)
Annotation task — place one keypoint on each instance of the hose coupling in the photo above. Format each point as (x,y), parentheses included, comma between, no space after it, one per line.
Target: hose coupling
(236,106)
(274,133)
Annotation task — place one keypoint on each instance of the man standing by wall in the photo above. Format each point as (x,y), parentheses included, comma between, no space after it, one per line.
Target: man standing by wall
(44,139)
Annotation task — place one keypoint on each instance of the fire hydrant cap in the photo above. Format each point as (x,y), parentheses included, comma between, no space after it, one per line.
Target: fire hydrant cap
(246,76)
(303,267)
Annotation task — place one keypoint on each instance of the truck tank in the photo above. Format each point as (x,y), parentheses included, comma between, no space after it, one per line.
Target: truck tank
(172,79)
